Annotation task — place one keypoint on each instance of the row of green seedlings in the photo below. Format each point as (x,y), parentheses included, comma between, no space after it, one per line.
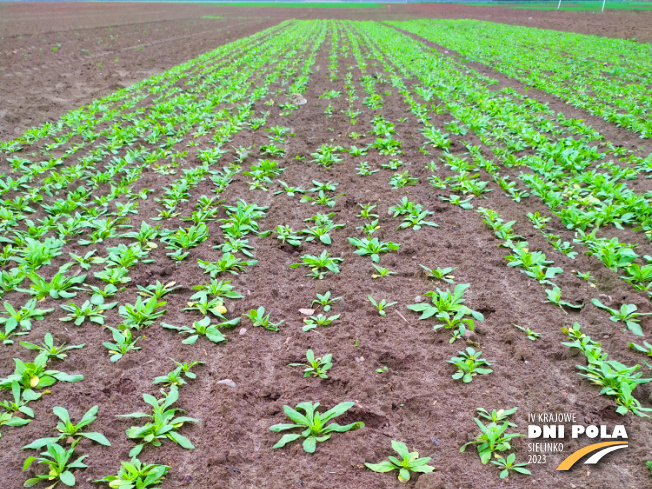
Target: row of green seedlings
(59,454)
(167,111)
(565,154)
(599,79)
(535,265)
(86,118)
(131,205)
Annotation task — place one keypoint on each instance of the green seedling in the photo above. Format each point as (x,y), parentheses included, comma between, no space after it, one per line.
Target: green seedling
(259,318)
(69,431)
(162,423)
(34,375)
(469,364)
(493,439)
(554,297)
(439,273)
(400,180)
(325,301)
(22,317)
(315,366)
(627,315)
(228,263)
(408,462)
(530,334)
(288,190)
(86,261)
(21,397)
(48,350)
(217,289)
(320,320)
(366,213)
(203,327)
(235,245)
(176,377)
(497,416)
(157,290)
(364,169)
(457,323)
(9,333)
(142,313)
(445,301)
(319,265)
(59,462)
(136,475)
(509,465)
(369,227)
(124,343)
(372,247)
(92,310)
(646,348)
(457,200)
(114,276)
(382,272)
(203,305)
(316,425)
(381,306)
(285,234)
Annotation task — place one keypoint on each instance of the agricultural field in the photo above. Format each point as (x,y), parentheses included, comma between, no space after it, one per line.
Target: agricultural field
(332,253)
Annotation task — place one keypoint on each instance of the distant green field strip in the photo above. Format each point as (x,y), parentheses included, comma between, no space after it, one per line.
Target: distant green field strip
(609,78)
(578,6)
(297,4)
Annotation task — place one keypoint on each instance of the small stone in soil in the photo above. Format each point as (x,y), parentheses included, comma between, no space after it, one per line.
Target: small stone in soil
(243,331)
(228,382)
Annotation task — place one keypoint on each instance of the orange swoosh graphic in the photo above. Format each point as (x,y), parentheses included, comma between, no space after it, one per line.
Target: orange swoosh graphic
(575,456)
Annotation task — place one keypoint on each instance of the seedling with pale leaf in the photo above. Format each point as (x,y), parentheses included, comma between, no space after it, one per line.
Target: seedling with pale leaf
(439,273)
(319,265)
(493,439)
(203,327)
(69,431)
(60,464)
(124,343)
(382,272)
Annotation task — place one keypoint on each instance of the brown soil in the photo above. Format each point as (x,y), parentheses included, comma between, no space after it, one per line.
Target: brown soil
(416,400)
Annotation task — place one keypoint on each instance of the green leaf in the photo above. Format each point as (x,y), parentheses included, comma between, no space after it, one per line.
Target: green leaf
(310,444)
(181,440)
(385,466)
(67,478)
(98,438)
(286,439)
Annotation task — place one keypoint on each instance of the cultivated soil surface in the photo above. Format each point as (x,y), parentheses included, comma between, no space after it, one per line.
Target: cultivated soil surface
(415,400)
